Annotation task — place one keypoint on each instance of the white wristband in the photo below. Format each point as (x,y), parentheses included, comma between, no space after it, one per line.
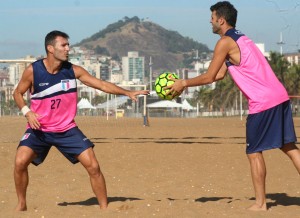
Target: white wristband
(25,110)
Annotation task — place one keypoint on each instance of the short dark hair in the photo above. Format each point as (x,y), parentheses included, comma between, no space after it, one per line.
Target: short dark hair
(50,37)
(226,10)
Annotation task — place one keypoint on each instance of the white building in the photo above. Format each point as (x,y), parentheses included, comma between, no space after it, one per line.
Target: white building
(17,67)
(15,72)
(261,47)
(293,58)
(133,67)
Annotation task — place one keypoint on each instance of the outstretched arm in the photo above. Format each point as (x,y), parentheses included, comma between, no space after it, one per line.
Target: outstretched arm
(216,70)
(222,72)
(105,86)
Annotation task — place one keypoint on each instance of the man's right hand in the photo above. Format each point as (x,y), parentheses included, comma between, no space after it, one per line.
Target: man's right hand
(32,119)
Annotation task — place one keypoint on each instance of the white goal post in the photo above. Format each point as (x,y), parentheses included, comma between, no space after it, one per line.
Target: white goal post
(144,106)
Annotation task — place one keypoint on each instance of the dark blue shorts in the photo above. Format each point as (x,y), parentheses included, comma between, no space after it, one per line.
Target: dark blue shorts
(270,129)
(70,143)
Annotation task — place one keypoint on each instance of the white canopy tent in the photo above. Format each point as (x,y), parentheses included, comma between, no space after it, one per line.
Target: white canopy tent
(113,103)
(186,105)
(84,104)
(165,104)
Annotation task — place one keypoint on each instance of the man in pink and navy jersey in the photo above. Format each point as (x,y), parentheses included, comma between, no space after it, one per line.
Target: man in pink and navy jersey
(269,123)
(52,85)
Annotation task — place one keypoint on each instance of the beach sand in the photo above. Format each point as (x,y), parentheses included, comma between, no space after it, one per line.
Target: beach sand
(176,167)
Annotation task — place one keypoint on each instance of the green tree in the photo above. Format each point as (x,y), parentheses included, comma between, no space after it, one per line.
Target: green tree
(203,97)
(101,50)
(225,93)
(224,97)
(279,65)
(98,99)
(292,82)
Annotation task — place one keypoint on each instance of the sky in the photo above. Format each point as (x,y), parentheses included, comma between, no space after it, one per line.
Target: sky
(24,24)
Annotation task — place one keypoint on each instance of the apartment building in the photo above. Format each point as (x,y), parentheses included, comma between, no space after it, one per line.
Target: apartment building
(133,67)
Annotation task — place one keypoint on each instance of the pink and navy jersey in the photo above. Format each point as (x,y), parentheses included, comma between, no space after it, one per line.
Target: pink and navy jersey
(54,97)
(254,76)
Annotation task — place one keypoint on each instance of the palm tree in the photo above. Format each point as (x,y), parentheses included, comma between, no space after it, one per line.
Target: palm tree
(223,97)
(204,97)
(225,93)
(293,80)
(279,65)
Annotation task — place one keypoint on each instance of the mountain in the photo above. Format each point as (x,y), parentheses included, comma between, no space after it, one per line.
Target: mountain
(169,50)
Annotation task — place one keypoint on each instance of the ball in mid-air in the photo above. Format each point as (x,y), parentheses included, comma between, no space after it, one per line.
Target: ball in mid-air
(162,81)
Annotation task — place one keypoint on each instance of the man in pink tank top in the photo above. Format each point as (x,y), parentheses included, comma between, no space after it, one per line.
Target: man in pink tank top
(52,85)
(269,123)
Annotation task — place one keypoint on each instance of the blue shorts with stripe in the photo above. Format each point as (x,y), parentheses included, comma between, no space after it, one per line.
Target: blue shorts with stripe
(70,143)
(270,129)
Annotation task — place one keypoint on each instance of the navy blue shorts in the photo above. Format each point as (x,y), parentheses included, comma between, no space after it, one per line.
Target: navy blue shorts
(270,129)
(70,143)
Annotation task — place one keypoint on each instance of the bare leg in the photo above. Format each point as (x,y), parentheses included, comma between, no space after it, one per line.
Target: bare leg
(293,153)
(89,161)
(23,158)
(258,172)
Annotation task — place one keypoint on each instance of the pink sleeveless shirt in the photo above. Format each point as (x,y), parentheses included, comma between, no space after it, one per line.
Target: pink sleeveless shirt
(254,76)
(54,97)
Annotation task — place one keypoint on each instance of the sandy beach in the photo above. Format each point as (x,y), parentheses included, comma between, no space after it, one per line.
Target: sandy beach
(176,167)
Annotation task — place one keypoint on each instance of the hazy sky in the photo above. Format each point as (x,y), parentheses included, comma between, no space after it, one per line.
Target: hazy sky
(24,23)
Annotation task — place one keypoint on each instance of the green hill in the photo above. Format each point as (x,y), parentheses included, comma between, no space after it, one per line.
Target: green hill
(169,49)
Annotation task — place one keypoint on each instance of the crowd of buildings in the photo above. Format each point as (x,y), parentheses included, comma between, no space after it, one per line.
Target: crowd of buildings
(130,71)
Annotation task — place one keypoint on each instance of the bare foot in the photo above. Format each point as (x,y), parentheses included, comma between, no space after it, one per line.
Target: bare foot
(103,207)
(21,207)
(256,207)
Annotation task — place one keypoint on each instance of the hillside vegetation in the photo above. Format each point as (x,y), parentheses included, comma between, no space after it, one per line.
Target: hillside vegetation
(169,49)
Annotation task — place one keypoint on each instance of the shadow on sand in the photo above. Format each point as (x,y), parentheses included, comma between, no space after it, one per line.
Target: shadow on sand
(277,198)
(281,199)
(206,199)
(94,201)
